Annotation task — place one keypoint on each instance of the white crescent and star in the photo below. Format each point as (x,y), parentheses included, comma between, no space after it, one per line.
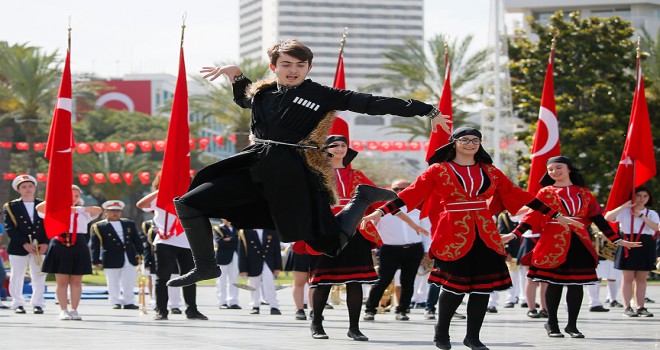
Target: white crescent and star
(550,121)
(119,97)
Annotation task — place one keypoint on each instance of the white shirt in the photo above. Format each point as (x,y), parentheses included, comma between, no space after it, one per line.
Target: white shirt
(260,234)
(29,207)
(160,217)
(118,228)
(394,231)
(623,218)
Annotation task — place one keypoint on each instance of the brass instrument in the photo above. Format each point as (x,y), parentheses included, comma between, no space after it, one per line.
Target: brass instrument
(242,284)
(37,256)
(387,300)
(512,264)
(335,294)
(142,283)
(604,247)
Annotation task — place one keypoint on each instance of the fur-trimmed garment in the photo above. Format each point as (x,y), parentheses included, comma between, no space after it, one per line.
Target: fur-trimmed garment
(294,187)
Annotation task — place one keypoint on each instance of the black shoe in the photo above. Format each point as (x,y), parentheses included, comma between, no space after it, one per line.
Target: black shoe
(356,335)
(131,307)
(616,304)
(194,314)
(37,310)
(574,333)
(176,311)
(254,311)
(328,307)
(524,305)
(649,301)
(19,310)
(116,307)
(275,311)
(508,305)
(224,306)
(598,308)
(3,306)
(553,333)
(629,312)
(443,344)
(401,316)
(300,315)
(198,232)
(458,316)
(474,344)
(160,317)
(543,313)
(234,307)
(533,314)
(318,332)
(369,315)
(491,310)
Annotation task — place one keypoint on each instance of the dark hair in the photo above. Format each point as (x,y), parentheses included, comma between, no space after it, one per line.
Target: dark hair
(291,47)
(645,189)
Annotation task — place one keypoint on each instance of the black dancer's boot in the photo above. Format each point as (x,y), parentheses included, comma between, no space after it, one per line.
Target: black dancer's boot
(349,217)
(199,233)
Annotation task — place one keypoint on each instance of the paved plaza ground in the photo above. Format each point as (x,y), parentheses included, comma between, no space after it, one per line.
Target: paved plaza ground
(105,328)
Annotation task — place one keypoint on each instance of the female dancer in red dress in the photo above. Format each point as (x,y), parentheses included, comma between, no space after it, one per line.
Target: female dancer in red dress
(563,256)
(461,189)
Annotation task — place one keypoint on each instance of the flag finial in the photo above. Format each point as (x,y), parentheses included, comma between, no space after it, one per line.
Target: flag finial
(445,42)
(68,38)
(183,25)
(639,46)
(555,34)
(343,41)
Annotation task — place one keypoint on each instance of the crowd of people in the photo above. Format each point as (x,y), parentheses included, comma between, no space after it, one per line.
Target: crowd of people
(295,183)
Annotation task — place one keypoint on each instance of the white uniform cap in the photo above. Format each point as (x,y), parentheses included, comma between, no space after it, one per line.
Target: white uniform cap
(22,178)
(113,205)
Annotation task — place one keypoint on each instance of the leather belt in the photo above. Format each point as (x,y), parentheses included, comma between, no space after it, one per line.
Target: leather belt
(404,246)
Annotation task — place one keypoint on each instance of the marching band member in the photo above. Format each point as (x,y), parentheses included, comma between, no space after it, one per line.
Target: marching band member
(27,242)
(565,256)
(116,245)
(226,240)
(462,189)
(68,255)
(260,260)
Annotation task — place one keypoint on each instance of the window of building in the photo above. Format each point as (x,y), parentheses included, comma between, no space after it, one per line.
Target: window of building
(369,120)
(612,12)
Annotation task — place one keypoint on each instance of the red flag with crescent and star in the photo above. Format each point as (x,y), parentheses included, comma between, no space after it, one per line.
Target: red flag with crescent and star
(59,150)
(175,175)
(637,164)
(546,139)
(441,137)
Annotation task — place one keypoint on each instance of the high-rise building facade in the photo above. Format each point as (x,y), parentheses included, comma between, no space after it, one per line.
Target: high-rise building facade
(374,26)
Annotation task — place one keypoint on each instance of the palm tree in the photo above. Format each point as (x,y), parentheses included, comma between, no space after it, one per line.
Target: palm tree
(219,103)
(28,86)
(412,73)
(651,63)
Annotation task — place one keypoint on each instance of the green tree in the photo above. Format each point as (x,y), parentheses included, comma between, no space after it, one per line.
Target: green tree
(594,85)
(412,73)
(219,103)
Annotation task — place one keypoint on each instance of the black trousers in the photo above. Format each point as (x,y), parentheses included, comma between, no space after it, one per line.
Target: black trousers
(168,258)
(392,257)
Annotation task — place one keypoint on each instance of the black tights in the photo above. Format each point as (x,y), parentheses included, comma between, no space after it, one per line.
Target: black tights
(353,303)
(574,295)
(476,311)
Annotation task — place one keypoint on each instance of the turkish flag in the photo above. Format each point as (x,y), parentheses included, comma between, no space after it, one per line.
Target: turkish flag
(83,147)
(99,178)
(373,145)
(41,177)
(399,145)
(192,172)
(440,137)
(5,144)
(84,179)
(203,142)
(22,146)
(159,145)
(219,140)
(130,147)
(145,146)
(99,147)
(114,146)
(386,146)
(232,138)
(9,176)
(59,150)
(546,138)
(114,178)
(357,145)
(637,163)
(175,173)
(145,177)
(39,146)
(339,125)
(128,177)
(193,143)
(414,145)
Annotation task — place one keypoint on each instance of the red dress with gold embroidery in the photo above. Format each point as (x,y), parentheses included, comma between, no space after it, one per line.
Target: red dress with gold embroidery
(466,245)
(565,255)
(354,263)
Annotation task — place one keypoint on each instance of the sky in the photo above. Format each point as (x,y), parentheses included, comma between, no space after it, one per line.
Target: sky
(121,37)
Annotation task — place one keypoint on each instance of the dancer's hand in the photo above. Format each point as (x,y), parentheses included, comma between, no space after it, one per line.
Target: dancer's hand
(508,237)
(213,73)
(564,221)
(628,244)
(443,121)
(373,217)
(421,230)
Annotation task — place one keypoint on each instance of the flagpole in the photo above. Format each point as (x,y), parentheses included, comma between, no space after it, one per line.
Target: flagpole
(343,42)
(68,40)
(183,26)
(634,163)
